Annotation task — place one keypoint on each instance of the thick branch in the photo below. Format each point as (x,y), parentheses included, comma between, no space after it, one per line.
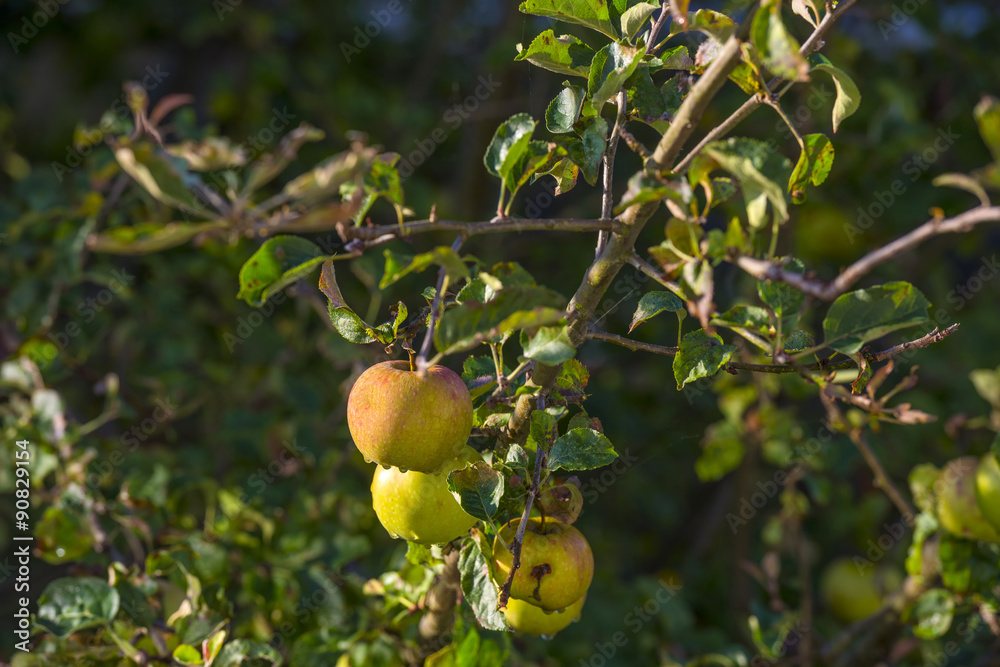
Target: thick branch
(499,226)
(765,270)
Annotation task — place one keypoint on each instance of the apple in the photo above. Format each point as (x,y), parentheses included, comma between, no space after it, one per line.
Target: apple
(418,507)
(531,620)
(557,564)
(957,507)
(988,489)
(852,593)
(397,418)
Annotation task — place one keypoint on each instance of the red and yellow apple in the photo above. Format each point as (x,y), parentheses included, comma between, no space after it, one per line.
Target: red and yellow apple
(988,489)
(556,567)
(398,418)
(531,620)
(418,507)
(957,507)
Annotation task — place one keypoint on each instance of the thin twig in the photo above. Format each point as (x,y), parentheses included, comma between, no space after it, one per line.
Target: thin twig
(657,275)
(660,22)
(881,478)
(425,346)
(634,144)
(628,343)
(498,226)
(515,546)
(638,346)
(765,270)
(607,197)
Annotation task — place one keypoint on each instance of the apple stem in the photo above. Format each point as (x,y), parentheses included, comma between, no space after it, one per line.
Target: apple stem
(515,546)
(413,360)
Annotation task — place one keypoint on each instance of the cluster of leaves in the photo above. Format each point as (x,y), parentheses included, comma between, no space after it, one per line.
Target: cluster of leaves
(189,595)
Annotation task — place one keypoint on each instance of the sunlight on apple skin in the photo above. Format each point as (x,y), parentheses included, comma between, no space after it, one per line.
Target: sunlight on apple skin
(418,507)
(557,553)
(398,419)
(957,507)
(531,620)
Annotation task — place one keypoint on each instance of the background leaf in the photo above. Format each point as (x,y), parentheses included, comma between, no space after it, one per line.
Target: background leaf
(700,355)
(278,262)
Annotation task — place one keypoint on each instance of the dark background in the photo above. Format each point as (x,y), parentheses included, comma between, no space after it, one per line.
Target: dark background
(164,337)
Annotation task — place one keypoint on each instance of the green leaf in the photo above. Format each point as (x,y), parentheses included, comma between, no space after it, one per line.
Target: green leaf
(549,345)
(479,488)
(748,160)
(799,340)
(591,13)
(270,165)
(326,178)
(746,77)
(710,22)
(700,355)
(740,316)
(512,309)
(247,651)
(210,647)
(815,162)
(565,172)
(162,176)
(148,237)
(508,144)
(397,266)
(652,304)
(634,18)
(479,374)
(987,384)
(581,449)
(186,654)
(932,613)
(572,378)
(610,69)
(723,452)
(587,151)
(74,603)
(564,110)
(346,321)
(777,48)
(542,431)
(643,188)
(848,95)
(564,54)
(278,262)
(781,297)
(987,114)
(477,585)
(866,314)
(644,99)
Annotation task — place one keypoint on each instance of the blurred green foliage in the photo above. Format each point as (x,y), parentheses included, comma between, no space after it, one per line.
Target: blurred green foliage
(182,436)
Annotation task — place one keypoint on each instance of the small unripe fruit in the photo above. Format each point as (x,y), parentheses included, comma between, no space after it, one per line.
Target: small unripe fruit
(531,620)
(852,593)
(399,419)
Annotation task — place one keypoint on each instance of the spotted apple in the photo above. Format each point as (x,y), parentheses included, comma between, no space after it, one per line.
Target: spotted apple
(957,507)
(557,564)
(418,507)
(398,418)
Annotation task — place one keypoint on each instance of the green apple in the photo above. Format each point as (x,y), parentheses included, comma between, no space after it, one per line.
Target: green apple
(399,419)
(988,489)
(557,564)
(852,592)
(957,507)
(418,507)
(531,620)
